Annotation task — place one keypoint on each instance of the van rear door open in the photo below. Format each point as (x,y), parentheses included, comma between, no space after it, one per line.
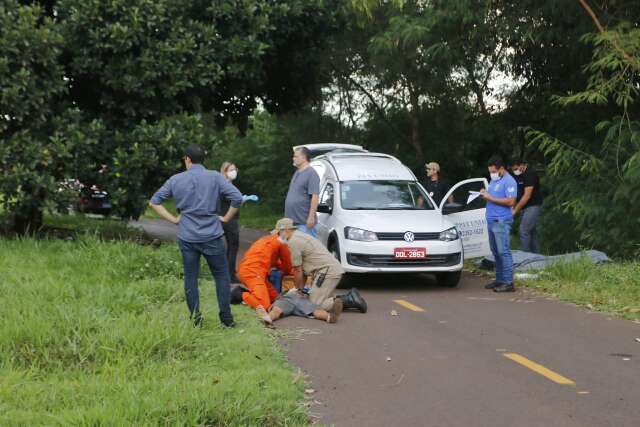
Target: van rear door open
(465,208)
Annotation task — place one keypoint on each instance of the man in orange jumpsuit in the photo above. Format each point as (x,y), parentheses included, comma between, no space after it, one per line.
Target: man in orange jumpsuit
(266,253)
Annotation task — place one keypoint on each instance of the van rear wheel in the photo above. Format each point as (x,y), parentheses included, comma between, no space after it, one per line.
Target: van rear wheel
(449,279)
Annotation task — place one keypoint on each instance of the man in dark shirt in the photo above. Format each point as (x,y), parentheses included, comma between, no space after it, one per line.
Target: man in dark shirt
(197,192)
(530,204)
(435,186)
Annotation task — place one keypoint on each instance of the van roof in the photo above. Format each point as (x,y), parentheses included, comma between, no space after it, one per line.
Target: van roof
(367,167)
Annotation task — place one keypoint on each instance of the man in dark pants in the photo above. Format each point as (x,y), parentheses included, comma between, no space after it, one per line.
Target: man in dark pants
(197,192)
(530,204)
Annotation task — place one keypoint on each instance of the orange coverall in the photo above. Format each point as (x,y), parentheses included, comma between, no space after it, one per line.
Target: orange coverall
(266,253)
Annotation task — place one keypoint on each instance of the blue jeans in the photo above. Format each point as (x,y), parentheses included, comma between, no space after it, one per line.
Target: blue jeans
(310,231)
(214,253)
(528,236)
(500,243)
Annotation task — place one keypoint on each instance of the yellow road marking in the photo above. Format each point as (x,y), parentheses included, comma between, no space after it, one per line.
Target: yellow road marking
(407,304)
(583,392)
(535,367)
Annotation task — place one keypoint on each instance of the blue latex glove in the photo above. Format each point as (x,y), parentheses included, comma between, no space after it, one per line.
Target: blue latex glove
(252,198)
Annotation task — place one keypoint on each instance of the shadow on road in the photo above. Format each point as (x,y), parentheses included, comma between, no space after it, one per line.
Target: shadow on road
(394,281)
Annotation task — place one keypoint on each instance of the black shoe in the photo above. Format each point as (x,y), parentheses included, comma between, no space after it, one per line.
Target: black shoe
(504,287)
(197,322)
(353,300)
(491,285)
(228,323)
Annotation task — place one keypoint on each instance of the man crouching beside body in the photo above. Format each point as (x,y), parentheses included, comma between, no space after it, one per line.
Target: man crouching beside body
(309,256)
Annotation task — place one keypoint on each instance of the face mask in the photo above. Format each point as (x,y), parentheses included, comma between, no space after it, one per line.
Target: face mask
(517,172)
(494,176)
(232,174)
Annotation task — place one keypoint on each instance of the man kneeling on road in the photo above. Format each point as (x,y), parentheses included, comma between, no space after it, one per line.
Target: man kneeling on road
(309,256)
(264,254)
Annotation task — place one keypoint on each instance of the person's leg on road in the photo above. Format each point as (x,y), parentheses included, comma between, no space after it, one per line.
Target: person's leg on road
(191,264)
(216,257)
(258,295)
(310,231)
(323,293)
(528,236)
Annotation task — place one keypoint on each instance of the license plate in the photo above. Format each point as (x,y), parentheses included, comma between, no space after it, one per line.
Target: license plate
(410,253)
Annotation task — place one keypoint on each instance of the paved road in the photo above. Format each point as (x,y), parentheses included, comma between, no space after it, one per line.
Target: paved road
(466,357)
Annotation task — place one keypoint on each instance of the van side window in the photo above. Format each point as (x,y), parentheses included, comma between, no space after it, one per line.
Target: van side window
(327,196)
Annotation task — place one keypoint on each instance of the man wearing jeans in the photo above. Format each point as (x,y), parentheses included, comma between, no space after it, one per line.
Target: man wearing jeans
(530,204)
(500,196)
(197,192)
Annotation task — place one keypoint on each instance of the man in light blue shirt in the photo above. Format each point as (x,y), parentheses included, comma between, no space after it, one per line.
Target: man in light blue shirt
(197,192)
(501,197)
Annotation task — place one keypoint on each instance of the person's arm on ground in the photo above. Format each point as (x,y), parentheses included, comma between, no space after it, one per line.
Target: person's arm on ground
(158,198)
(233,195)
(528,191)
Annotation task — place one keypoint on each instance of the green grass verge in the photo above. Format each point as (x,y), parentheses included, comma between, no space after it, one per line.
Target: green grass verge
(252,215)
(97,333)
(612,287)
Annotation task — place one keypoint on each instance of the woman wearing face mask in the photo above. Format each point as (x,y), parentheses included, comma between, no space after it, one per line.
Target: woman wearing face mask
(231,227)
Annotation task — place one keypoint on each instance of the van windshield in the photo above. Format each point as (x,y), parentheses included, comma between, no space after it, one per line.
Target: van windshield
(383,195)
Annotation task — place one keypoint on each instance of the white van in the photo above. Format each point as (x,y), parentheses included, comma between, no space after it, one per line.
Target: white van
(374,216)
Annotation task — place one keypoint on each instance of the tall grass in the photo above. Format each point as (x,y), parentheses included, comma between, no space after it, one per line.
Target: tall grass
(97,333)
(612,287)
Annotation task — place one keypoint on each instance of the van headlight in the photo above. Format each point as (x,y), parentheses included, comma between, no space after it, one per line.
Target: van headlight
(449,235)
(353,233)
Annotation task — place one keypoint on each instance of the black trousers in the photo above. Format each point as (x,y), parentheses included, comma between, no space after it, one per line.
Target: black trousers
(232,236)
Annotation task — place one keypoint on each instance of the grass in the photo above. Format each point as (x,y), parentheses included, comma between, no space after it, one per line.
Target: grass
(78,224)
(97,333)
(612,287)
(252,215)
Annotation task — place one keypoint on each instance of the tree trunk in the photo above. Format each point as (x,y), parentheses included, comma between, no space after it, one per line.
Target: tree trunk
(415,125)
(28,221)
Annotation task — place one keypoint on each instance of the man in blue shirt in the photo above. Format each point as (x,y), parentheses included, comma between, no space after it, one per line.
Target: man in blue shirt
(501,197)
(197,192)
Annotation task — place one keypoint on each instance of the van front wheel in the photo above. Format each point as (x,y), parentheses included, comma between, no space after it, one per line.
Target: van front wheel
(449,279)
(334,248)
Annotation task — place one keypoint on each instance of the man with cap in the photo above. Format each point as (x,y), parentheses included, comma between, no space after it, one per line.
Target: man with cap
(264,254)
(197,192)
(434,184)
(310,257)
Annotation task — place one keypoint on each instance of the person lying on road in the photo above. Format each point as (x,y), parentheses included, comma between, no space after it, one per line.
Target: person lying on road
(296,303)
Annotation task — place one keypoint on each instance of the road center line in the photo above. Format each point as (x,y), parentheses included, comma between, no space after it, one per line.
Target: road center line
(407,304)
(548,373)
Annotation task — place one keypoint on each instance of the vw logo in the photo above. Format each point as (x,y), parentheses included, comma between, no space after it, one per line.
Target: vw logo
(409,237)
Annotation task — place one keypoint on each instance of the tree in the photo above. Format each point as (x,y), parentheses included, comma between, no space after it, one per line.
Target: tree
(136,77)
(32,84)
(598,179)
